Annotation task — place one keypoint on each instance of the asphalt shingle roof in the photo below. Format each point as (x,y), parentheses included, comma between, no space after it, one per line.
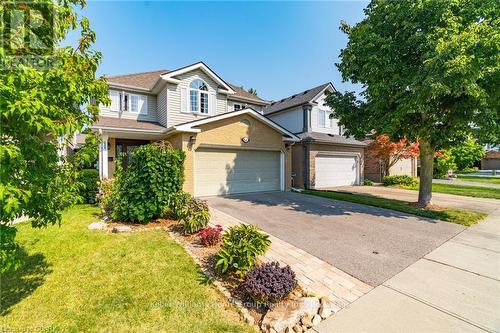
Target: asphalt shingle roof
(147,80)
(127,123)
(329,138)
(294,100)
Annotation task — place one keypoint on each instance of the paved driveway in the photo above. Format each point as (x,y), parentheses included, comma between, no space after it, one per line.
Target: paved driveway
(371,244)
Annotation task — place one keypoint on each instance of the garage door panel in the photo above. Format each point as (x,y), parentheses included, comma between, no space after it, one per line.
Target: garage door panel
(336,171)
(224,171)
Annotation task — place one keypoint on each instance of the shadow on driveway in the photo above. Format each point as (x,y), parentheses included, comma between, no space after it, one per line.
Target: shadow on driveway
(370,243)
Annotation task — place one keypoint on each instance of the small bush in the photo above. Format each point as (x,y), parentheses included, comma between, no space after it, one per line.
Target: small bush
(400,180)
(367,182)
(192,213)
(269,282)
(210,236)
(241,245)
(89,179)
(469,170)
(105,195)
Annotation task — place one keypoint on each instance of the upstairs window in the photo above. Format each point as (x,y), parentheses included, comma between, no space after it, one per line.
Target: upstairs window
(198,97)
(324,120)
(133,103)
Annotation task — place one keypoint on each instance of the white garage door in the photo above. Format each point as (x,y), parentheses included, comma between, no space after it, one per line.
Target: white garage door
(224,171)
(336,171)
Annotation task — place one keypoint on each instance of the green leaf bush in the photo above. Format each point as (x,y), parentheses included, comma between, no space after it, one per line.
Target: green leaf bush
(155,173)
(400,180)
(367,182)
(241,245)
(89,179)
(192,213)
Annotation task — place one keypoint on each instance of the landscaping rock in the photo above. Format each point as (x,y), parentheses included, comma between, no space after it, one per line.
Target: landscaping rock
(297,329)
(307,320)
(121,228)
(289,312)
(325,311)
(97,226)
(304,328)
(316,320)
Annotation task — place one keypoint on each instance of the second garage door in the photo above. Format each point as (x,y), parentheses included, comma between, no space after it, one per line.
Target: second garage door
(225,171)
(336,171)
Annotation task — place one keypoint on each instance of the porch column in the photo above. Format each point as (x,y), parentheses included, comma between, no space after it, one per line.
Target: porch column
(103,157)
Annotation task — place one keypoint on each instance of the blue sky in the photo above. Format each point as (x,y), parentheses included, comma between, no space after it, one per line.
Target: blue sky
(279,48)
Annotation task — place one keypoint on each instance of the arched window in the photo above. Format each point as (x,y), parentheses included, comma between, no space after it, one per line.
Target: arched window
(198,96)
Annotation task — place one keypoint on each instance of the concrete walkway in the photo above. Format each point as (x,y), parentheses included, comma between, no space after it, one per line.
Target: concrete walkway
(465,183)
(440,199)
(456,287)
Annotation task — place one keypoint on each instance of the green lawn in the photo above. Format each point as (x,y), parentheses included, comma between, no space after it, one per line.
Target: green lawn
(76,280)
(479,179)
(468,191)
(453,215)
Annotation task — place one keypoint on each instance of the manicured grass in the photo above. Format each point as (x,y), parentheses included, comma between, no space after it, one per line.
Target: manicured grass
(468,191)
(76,280)
(479,179)
(453,215)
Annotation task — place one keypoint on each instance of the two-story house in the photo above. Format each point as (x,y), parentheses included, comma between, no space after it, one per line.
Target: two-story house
(230,146)
(324,157)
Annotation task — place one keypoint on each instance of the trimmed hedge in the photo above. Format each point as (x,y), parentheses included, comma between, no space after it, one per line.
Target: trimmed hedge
(155,173)
(400,180)
(89,188)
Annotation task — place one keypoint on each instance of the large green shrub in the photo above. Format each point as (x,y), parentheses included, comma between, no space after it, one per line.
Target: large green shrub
(192,213)
(89,179)
(241,245)
(442,163)
(400,180)
(142,191)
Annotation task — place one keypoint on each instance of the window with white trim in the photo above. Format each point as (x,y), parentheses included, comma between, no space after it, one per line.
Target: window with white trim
(198,97)
(134,103)
(324,119)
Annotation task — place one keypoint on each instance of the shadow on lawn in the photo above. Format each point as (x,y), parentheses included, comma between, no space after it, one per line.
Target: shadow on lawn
(19,284)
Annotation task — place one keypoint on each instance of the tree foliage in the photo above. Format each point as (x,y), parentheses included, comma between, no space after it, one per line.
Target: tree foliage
(40,105)
(467,154)
(429,71)
(390,152)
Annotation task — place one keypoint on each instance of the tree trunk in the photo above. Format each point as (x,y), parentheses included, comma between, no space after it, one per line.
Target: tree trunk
(426,170)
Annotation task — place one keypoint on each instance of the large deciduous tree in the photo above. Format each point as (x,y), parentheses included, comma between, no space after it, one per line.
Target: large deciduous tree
(429,71)
(38,106)
(390,152)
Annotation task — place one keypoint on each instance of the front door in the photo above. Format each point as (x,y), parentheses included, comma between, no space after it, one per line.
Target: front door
(125,147)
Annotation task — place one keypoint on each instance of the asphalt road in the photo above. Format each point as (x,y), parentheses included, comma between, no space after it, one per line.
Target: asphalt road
(371,244)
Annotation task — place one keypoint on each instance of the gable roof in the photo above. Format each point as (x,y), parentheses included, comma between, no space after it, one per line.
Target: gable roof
(148,80)
(492,154)
(191,126)
(298,99)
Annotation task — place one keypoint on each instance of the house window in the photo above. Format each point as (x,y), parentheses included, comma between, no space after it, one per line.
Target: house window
(124,100)
(198,96)
(134,103)
(237,107)
(324,119)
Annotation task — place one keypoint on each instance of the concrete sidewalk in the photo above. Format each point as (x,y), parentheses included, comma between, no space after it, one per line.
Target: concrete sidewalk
(456,287)
(440,199)
(465,183)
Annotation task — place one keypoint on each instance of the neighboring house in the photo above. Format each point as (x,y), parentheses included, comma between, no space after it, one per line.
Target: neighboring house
(374,167)
(491,160)
(230,146)
(324,157)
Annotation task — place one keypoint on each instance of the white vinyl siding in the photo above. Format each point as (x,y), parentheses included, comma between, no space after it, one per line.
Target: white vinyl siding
(334,171)
(292,119)
(320,120)
(230,171)
(146,107)
(178,94)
